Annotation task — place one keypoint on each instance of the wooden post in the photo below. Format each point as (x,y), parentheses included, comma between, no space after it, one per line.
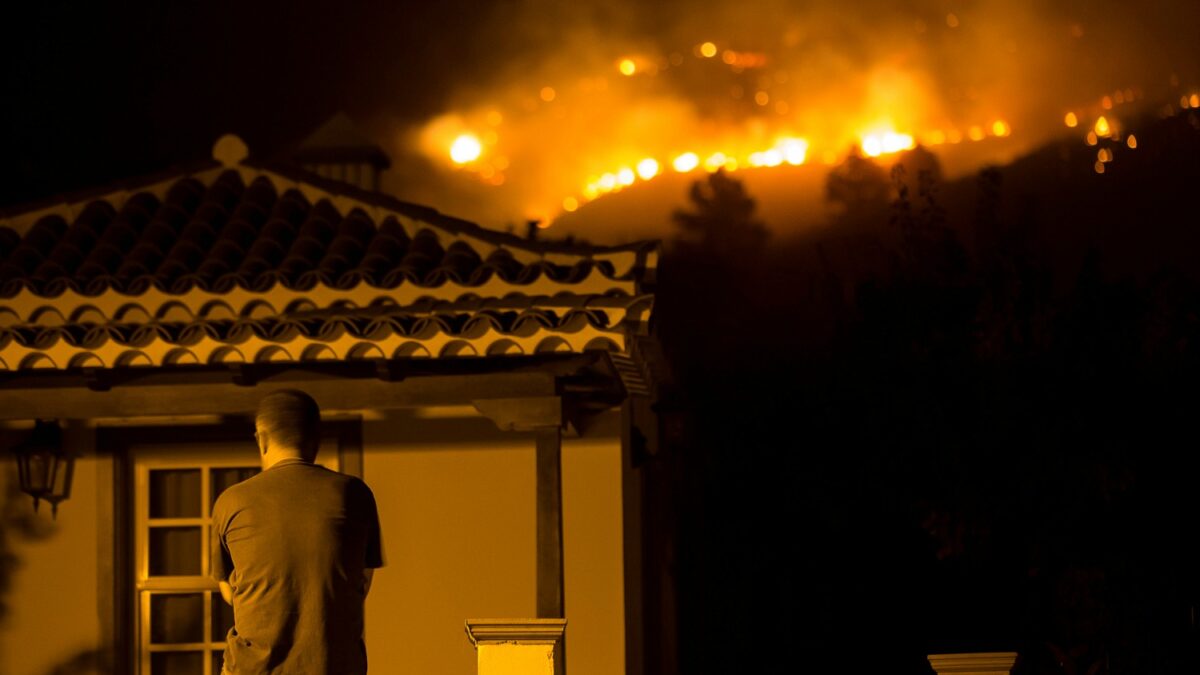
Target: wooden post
(549,524)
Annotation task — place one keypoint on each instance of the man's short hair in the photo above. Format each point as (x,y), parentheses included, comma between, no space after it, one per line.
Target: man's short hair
(292,419)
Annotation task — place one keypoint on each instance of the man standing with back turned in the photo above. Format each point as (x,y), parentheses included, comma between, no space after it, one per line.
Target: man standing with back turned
(293,550)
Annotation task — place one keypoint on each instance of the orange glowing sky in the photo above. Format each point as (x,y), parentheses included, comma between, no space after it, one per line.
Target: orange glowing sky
(594,99)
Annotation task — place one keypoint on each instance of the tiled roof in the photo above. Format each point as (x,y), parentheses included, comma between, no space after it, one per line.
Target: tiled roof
(251,263)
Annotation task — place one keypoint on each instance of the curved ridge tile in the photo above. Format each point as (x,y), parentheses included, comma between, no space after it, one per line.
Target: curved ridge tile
(47,315)
(194,333)
(365,350)
(272,354)
(181,356)
(505,347)
(603,344)
(133,358)
(226,354)
(9,239)
(85,360)
(318,353)
(411,350)
(37,361)
(552,344)
(458,349)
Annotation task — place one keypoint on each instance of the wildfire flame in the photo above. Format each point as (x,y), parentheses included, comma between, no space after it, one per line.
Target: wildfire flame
(605,114)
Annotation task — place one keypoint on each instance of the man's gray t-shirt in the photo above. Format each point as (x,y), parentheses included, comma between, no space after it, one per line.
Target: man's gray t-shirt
(293,542)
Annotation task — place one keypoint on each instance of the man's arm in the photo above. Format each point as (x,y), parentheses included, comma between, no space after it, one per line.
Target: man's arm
(374,552)
(221,564)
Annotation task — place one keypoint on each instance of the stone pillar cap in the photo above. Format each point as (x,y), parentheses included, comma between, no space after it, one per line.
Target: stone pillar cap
(523,631)
(976,662)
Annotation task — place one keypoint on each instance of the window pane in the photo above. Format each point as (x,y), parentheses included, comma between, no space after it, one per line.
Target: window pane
(217,658)
(223,478)
(176,617)
(174,551)
(222,617)
(175,493)
(177,663)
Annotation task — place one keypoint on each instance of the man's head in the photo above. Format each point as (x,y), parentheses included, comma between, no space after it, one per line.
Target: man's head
(288,424)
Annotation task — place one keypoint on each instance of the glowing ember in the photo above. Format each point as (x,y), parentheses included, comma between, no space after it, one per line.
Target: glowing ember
(1071,120)
(708,50)
(627,67)
(794,150)
(647,168)
(1131,141)
(1103,129)
(885,143)
(466,148)
(686,162)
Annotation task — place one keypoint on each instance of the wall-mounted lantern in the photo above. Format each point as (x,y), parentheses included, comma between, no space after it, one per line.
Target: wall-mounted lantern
(44,466)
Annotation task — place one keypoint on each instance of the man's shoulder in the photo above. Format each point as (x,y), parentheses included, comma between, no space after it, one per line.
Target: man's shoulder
(234,495)
(332,475)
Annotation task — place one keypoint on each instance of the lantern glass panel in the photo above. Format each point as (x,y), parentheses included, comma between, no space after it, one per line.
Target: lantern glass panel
(38,476)
(60,482)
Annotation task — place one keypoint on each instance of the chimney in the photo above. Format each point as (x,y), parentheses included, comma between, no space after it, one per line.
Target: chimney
(339,151)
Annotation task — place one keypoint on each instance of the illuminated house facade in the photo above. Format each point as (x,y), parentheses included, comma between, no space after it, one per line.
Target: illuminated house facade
(493,391)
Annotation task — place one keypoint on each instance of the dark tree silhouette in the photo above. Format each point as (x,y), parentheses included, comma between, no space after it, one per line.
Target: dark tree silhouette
(858,187)
(723,218)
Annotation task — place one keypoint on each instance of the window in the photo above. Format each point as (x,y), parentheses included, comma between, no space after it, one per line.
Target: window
(181,619)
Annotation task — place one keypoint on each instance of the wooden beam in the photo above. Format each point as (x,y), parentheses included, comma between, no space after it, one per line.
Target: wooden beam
(217,398)
(522,414)
(549,525)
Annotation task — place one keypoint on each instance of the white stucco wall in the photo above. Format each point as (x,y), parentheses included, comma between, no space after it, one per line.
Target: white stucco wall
(457,504)
(54,611)
(593,552)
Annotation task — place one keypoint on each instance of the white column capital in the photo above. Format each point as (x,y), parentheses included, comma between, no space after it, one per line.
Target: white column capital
(517,646)
(977,663)
(524,631)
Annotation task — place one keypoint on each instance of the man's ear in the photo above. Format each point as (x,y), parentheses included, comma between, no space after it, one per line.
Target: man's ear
(262,442)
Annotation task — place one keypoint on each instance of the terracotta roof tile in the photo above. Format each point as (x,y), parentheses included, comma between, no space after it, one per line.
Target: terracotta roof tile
(251,263)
